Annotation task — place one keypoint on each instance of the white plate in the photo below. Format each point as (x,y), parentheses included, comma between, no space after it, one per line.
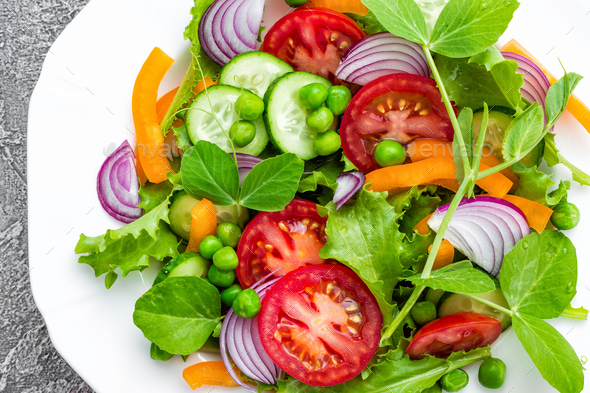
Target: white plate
(81,110)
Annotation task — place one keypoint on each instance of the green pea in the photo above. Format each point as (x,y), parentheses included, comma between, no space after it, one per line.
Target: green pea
(249,106)
(389,153)
(247,304)
(455,380)
(565,216)
(424,312)
(320,120)
(312,96)
(225,259)
(327,143)
(295,3)
(209,246)
(242,132)
(229,233)
(492,373)
(338,99)
(229,294)
(433,389)
(221,278)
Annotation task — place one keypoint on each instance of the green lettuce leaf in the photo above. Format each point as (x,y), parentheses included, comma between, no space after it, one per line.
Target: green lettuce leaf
(152,195)
(200,66)
(415,204)
(396,373)
(182,139)
(364,236)
(535,185)
(369,23)
(130,247)
(539,275)
(179,314)
(553,157)
(471,81)
(551,353)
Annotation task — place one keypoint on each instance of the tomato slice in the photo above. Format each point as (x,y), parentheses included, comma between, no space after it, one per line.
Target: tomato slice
(312,40)
(321,324)
(401,107)
(281,242)
(456,332)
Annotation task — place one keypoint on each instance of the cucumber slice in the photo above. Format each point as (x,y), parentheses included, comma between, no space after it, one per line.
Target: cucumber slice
(286,117)
(180,214)
(497,124)
(254,71)
(187,264)
(456,303)
(220,100)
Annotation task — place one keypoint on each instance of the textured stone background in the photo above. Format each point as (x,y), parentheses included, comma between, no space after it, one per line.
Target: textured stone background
(28,361)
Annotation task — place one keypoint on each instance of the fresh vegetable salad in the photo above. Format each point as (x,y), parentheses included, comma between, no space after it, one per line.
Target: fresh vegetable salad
(352,204)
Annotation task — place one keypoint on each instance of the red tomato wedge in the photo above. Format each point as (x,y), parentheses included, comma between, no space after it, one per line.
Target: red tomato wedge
(456,332)
(401,107)
(312,40)
(281,242)
(320,324)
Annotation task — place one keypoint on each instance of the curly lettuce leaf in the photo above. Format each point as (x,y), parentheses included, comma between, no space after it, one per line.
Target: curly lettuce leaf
(535,185)
(484,77)
(365,236)
(395,373)
(152,195)
(369,23)
(200,67)
(130,247)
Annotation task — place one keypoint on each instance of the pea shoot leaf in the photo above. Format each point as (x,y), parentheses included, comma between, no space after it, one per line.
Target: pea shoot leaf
(272,183)
(558,96)
(467,27)
(523,133)
(465,120)
(459,277)
(553,157)
(553,356)
(539,275)
(401,17)
(178,314)
(209,172)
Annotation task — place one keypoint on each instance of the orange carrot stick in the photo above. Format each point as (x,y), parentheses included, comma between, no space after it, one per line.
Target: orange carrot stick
(432,171)
(353,6)
(421,149)
(576,107)
(446,251)
(212,373)
(537,215)
(140,173)
(150,141)
(164,103)
(203,224)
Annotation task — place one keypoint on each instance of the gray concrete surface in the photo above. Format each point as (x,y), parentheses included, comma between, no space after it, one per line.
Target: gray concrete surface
(28,361)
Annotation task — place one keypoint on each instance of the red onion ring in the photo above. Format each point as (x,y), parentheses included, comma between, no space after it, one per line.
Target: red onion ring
(348,184)
(536,85)
(381,54)
(230,27)
(245,164)
(484,229)
(239,337)
(117,185)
